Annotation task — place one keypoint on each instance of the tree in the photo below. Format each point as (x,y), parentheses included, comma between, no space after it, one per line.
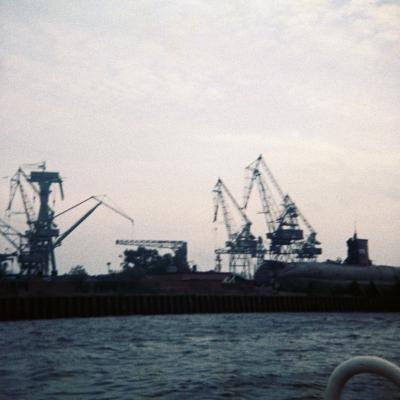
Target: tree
(149,261)
(78,270)
(140,258)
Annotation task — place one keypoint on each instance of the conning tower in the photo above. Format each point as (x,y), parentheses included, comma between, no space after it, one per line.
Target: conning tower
(357,251)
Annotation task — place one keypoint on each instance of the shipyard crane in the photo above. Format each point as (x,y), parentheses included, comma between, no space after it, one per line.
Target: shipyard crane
(34,249)
(287,242)
(36,252)
(242,246)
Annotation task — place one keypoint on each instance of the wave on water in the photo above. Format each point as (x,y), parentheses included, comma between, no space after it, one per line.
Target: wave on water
(280,356)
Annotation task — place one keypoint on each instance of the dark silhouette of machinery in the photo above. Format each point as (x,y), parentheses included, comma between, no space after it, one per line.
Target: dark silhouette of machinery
(242,246)
(179,247)
(34,249)
(284,221)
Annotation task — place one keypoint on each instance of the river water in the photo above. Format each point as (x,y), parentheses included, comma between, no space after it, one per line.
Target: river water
(278,356)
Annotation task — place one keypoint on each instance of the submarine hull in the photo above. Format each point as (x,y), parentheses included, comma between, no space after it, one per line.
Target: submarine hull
(329,278)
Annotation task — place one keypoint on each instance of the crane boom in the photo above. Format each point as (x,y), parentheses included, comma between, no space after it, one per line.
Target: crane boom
(220,188)
(269,206)
(96,198)
(74,226)
(115,210)
(254,172)
(219,198)
(17,183)
(271,177)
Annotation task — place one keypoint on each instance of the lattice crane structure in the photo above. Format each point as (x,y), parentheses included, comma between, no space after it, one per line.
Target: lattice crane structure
(284,221)
(34,249)
(242,246)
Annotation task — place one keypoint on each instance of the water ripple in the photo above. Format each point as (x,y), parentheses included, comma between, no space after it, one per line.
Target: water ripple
(217,356)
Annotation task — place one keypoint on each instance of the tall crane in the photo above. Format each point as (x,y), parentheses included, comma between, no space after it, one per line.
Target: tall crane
(287,242)
(34,249)
(37,253)
(242,246)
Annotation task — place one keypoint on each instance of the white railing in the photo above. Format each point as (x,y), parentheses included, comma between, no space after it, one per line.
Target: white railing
(359,365)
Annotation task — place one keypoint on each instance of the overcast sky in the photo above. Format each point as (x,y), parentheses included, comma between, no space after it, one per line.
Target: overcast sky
(150,102)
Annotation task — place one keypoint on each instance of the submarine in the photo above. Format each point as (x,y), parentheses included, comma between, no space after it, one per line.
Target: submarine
(355,276)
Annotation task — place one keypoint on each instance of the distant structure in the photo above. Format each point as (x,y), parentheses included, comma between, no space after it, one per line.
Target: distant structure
(34,249)
(357,251)
(290,236)
(285,223)
(242,246)
(179,247)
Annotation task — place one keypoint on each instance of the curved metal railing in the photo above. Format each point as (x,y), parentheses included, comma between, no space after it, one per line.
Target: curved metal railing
(359,365)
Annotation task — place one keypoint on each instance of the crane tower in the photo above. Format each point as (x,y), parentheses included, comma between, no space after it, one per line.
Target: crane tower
(36,254)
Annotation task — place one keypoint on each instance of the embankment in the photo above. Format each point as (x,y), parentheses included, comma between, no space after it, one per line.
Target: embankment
(48,307)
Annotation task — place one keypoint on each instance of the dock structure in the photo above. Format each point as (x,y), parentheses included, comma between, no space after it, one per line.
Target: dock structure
(50,307)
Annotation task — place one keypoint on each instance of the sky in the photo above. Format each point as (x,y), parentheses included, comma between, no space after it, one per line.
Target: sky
(150,102)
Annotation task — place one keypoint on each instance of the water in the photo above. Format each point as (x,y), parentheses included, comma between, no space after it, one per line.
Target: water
(277,356)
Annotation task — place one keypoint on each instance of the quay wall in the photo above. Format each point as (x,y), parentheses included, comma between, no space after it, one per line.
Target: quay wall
(29,308)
